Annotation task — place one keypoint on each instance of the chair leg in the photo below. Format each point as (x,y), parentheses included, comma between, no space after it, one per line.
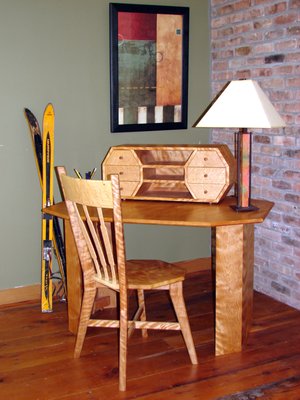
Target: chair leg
(141,301)
(123,342)
(176,294)
(86,310)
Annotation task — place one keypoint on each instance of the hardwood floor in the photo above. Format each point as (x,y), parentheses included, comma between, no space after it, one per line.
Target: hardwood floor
(36,355)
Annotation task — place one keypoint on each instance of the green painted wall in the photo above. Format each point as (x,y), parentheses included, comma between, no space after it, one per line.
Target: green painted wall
(58,51)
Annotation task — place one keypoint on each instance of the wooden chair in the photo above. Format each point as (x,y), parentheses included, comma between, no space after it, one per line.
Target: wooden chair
(103,262)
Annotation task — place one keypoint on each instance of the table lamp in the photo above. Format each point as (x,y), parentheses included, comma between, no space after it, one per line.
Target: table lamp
(241,104)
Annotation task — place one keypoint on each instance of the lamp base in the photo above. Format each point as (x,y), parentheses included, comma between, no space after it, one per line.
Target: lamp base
(241,209)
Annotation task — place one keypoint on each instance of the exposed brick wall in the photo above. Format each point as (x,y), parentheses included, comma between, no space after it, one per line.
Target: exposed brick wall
(260,40)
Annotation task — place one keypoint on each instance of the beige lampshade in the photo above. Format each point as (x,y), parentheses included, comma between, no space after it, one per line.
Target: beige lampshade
(242,104)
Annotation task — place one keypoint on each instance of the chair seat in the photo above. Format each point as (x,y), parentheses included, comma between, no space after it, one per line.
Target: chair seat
(150,274)
(146,274)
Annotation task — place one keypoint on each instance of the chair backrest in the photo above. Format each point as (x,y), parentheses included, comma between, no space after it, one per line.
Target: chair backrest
(101,250)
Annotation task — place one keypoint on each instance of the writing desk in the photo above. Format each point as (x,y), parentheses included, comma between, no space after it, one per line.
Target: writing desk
(234,257)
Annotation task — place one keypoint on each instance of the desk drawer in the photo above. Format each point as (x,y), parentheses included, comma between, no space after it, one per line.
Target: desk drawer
(207,158)
(206,175)
(122,157)
(210,192)
(128,189)
(126,173)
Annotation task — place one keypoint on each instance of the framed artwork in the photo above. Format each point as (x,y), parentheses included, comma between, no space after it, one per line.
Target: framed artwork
(148,67)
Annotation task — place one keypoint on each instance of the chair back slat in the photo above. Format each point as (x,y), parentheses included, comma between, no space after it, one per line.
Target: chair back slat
(92,240)
(108,246)
(85,200)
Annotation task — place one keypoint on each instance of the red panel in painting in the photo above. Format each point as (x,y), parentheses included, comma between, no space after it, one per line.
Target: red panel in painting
(136,26)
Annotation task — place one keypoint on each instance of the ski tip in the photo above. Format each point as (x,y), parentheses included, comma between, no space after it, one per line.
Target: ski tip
(48,121)
(28,112)
(49,110)
(31,118)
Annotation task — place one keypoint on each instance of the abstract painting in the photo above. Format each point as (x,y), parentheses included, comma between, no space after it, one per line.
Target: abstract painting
(149,67)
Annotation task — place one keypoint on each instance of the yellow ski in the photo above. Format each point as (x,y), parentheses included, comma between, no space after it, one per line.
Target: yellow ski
(47,200)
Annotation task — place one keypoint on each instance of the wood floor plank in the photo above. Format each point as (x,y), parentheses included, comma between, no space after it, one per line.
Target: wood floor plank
(36,355)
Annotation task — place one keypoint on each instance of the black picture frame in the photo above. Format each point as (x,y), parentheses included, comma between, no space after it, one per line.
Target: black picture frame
(141,51)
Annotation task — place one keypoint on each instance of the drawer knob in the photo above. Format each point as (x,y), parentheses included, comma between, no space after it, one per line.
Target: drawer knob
(205,175)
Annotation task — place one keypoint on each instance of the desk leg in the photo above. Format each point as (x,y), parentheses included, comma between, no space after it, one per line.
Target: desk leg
(234,286)
(74,278)
(105,296)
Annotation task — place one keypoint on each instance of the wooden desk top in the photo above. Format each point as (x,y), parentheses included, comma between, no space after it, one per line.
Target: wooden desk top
(180,213)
